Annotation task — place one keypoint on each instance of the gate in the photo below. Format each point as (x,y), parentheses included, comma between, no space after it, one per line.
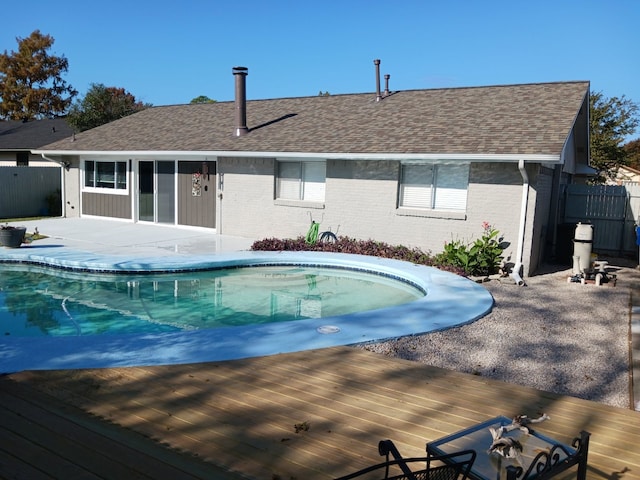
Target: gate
(612,210)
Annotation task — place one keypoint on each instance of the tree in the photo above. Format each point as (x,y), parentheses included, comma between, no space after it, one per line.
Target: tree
(31,84)
(611,120)
(632,150)
(202,99)
(103,105)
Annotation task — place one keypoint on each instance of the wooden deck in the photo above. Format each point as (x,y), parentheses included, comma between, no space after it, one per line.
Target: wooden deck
(199,421)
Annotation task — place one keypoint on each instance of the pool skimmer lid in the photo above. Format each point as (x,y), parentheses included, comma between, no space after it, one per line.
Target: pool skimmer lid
(326,329)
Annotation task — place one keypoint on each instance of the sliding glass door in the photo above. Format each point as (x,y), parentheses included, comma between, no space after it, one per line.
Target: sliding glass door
(156,191)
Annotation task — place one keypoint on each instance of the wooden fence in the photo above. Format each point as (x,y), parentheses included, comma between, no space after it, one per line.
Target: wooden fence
(614,212)
(29,191)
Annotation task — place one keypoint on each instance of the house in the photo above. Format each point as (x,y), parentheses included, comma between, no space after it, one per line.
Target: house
(17,139)
(30,184)
(417,167)
(625,175)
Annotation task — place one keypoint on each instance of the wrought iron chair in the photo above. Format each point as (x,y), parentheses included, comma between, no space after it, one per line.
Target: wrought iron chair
(453,466)
(550,463)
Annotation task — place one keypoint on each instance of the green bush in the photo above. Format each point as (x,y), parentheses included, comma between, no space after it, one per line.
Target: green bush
(482,257)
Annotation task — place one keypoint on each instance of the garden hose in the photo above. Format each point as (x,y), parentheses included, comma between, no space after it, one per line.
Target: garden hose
(312,234)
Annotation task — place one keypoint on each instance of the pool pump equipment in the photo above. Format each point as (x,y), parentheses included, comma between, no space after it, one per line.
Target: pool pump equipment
(586,266)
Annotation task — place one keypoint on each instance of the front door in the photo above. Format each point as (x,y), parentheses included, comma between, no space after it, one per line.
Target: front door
(156,191)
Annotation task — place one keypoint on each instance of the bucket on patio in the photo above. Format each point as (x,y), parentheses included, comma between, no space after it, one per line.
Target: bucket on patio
(12,237)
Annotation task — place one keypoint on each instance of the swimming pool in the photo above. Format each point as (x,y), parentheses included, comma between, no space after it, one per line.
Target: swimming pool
(36,301)
(451,300)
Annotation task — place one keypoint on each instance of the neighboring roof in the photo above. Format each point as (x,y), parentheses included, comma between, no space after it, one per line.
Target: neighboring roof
(625,174)
(15,135)
(531,119)
(628,169)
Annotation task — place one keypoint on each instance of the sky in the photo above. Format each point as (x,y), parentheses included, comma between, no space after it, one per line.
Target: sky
(169,52)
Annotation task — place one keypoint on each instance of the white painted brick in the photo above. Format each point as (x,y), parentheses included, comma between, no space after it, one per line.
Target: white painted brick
(361,199)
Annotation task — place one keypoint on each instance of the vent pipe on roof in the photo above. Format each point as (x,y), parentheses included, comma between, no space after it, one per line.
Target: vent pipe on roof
(376,62)
(241,101)
(386,85)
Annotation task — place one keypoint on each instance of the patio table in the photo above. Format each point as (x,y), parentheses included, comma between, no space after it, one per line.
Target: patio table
(541,457)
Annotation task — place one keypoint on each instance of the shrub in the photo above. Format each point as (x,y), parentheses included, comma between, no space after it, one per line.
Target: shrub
(54,203)
(482,257)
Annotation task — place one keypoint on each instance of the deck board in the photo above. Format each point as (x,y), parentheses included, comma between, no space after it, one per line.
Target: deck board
(41,437)
(240,415)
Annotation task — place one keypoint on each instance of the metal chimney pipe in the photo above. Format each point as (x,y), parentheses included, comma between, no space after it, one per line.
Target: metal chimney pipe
(376,62)
(241,101)
(386,84)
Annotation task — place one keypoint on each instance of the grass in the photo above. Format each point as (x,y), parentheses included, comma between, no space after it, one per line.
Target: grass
(20,219)
(31,237)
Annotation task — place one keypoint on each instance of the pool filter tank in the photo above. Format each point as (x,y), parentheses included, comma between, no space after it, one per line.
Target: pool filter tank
(582,246)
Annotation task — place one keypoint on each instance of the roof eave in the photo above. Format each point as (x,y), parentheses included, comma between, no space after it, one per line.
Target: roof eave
(197,155)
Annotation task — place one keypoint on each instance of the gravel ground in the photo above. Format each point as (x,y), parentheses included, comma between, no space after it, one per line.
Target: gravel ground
(551,335)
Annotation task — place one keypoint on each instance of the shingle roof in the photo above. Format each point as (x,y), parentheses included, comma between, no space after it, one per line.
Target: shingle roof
(16,135)
(513,119)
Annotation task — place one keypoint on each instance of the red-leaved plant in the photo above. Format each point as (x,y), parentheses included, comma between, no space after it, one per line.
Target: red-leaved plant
(359,247)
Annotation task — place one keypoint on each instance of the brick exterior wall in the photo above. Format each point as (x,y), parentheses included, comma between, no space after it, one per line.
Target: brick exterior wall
(543,190)
(71,208)
(361,202)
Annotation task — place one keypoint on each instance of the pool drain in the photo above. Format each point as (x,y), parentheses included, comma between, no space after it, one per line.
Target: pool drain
(326,329)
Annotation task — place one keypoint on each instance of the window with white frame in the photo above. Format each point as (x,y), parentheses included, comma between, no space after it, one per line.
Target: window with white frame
(434,186)
(105,174)
(301,181)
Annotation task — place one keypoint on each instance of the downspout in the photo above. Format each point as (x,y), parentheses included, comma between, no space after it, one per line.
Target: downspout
(63,190)
(220,196)
(515,272)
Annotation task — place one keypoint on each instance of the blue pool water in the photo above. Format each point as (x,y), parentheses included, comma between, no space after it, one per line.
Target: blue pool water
(47,302)
(450,300)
